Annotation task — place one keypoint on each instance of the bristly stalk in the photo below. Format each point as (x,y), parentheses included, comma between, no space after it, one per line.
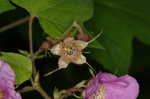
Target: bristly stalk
(35,77)
(14,24)
(31,19)
(30,35)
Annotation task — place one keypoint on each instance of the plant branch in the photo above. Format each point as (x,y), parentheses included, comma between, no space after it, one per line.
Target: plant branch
(91,69)
(75,26)
(78,27)
(30,35)
(42,92)
(65,34)
(37,86)
(40,50)
(14,24)
(31,44)
(26,89)
(71,92)
(35,78)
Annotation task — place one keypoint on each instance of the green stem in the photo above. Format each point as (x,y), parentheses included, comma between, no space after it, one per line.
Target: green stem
(43,93)
(51,72)
(78,27)
(78,97)
(92,70)
(65,34)
(96,37)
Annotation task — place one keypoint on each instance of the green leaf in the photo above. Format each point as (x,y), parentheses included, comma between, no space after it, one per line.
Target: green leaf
(5,6)
(20,64)
(121,21)
(135,14)
(116,39)
(56,15)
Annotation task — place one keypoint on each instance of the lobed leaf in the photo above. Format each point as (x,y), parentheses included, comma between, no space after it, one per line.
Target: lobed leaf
(116,39)
(5,6)
(56,15)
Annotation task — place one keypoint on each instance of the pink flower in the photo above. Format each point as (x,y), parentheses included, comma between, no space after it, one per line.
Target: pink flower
(7,82)
(108,86)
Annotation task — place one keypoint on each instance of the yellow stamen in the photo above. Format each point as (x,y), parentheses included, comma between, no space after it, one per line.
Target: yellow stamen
(69,50)
(1,94)
(100,94)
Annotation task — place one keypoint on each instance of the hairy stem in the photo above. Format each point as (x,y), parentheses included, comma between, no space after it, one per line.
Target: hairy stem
(43,93)
(31,44)
(30,35)
(40,50)
(91,69)
(65,34)
(78,27)
(14,24)
(35,77)
(26,89)
(73,28)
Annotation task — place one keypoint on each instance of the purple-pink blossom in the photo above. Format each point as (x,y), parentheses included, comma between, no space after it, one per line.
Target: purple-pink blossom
(109,86)
(7,82)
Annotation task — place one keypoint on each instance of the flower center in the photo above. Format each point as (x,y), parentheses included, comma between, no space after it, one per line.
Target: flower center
(100,94)
(2,94)
(70,50)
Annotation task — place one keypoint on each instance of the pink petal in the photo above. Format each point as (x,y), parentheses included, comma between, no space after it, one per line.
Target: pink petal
(56,49)
(82,44)
(81,60)
(7,81)
(125,87)
(62,63)
(68,39)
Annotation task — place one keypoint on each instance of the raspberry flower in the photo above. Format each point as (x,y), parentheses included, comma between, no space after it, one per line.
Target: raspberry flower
(7,82)
(108,86)
(70,51)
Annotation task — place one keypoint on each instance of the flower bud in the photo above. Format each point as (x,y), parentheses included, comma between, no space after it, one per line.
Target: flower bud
(46,45)
(83,37)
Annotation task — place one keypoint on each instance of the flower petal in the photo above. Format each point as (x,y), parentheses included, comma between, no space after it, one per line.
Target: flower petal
(80,60)
(62,63)
(56,49)
(125,87)
(68,39)
(82,44)
(91,89)
(12,94)
(106,77)
(7,73)
(7,82)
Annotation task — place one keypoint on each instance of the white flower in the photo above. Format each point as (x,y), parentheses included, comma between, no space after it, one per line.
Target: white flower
(70,51)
